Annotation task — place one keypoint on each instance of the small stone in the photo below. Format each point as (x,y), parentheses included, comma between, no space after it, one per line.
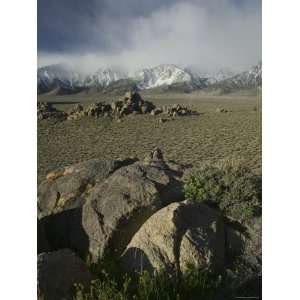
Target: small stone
(157,155)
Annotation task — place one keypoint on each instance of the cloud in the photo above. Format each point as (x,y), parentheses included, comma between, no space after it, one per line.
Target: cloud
(206,34)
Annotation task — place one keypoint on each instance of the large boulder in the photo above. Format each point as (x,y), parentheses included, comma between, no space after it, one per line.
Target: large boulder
(116,208)
(179,235)
(244,249)
(68,187)
(57,272)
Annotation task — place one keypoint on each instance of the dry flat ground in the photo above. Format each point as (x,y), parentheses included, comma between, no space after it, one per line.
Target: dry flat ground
(207,137)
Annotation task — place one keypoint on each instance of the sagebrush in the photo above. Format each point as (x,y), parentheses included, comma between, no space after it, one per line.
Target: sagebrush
(234,189)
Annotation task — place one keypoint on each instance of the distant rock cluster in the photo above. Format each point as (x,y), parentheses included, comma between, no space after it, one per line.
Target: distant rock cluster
(176,110)
(131,103)
(45,110)
(93,110)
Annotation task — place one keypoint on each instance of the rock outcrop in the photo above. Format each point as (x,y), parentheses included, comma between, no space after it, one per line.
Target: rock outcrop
(117,208)
(177,236)
(45,110)
(131,103)
(104,216)
(57,272)
(135,210)
(93,110)
(68,187)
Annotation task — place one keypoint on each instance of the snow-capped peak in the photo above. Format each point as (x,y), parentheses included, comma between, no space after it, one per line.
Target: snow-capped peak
(60,72)
(66,77)
(165,74)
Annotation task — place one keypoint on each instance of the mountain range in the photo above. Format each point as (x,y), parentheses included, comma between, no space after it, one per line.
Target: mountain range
(63,79)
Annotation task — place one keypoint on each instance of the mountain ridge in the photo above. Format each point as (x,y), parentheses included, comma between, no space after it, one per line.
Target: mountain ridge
(65,79)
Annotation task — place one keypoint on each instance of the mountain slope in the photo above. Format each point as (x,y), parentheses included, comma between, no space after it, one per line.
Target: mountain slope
(62,77)
(162,75)
(248,79)
(104,77)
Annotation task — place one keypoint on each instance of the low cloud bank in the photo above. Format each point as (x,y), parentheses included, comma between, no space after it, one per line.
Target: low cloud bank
(207,35)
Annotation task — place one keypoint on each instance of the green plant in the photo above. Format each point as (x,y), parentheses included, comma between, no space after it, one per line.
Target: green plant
(192,285)
(234,189)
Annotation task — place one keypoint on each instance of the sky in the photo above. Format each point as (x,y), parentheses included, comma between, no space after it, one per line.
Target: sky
(136,34)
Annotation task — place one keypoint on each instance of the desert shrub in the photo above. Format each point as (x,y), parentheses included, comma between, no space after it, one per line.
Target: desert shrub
(193,284)
(234,189)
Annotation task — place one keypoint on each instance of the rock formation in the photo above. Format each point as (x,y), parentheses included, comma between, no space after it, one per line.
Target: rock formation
(57,272)
(136,211)
(131,103)
(97,206)
(45,110)
(177,236)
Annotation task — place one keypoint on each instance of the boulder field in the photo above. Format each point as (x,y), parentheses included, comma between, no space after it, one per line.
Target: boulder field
(136,211)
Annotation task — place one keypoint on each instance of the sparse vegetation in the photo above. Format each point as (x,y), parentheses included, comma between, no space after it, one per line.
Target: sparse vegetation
(114,284)
(234,189)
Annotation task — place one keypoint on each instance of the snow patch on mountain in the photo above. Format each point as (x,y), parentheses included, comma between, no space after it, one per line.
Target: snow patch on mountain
(161,75)
(59,73)
(64,76)
(207,78)
(104,77)
(247,79)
